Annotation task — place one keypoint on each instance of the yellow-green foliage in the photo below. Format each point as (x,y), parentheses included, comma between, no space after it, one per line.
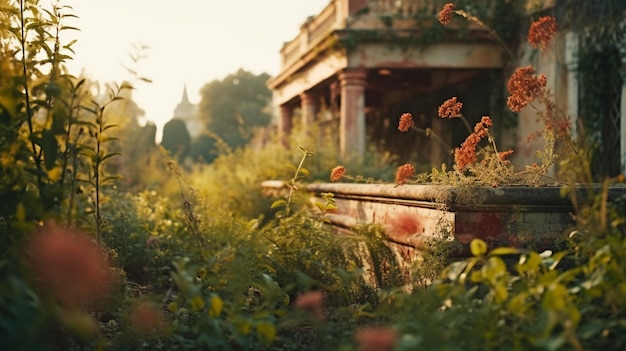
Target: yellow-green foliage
(202,262)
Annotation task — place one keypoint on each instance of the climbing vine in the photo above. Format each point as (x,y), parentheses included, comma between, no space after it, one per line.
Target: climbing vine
(503,16)
(599,27)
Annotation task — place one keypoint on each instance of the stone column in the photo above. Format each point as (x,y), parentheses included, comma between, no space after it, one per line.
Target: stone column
(352,114)
(571,52)
(285,123)
(623,123)
(310,105)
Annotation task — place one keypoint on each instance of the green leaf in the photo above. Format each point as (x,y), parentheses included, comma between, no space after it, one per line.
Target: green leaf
(50,148)
(529,262)
(500,251)
(107,156)
(196,303)
(267,331)
(478,247)
(519,304)
(493,269)
(20,212)
(500,291)
(90,110)
(72,42)
(555,298)
(330,207)
(110,126)
(279,203)
(216,306)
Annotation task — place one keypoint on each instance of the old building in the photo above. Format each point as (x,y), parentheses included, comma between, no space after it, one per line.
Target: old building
(365,62)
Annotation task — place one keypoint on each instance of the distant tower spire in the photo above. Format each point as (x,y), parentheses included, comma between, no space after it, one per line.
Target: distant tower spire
(185,99)
(185,109)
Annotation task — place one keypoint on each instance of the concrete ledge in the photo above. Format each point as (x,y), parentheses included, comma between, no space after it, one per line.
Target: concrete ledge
(518,216)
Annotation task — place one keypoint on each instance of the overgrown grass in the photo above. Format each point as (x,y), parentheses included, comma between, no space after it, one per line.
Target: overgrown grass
(206,263)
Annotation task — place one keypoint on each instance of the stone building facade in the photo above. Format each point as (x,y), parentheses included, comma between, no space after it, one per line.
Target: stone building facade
(368,61)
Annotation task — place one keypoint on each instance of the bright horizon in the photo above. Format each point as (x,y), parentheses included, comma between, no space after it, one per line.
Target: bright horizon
(191,42)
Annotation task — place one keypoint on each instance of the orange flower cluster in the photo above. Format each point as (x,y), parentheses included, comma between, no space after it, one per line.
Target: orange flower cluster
(503,155)
(524,87)
(445,16)
(337,173)
(404,173)
(406,121)
(69,265)
(541,31)
(466,154)
(312,302)
(450,108)
(373,338)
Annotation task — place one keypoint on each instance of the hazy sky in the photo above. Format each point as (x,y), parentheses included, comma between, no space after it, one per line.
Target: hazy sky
(190,42)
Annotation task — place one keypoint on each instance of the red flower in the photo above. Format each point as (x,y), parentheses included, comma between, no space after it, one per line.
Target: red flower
(337,173)
(445,16)
(541,32)
(146,318)
(312,302)
(404,173)
(466,154)
(69,265)
(503,155)
(406,121)
(376,338)
(524,87)
(450,108)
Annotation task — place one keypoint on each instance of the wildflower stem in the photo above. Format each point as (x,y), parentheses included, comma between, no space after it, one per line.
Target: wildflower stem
(292,182)
(542,175)
(27,102)
(430,133)
(480,23)
(467,125)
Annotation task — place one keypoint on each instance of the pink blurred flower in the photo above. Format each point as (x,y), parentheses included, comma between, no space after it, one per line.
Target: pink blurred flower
(146,318)
(312,302)
(68,265)
(374,338)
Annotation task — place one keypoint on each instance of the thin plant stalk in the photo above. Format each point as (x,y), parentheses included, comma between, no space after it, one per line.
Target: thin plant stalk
(292,182)
(430,133)
(27,104)
(493,33)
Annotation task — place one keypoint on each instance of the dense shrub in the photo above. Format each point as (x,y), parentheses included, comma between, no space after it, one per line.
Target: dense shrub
(207,262)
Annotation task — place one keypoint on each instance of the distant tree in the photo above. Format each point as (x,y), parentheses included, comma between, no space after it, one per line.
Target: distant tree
(176,139)
(233,107)
(203,149)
